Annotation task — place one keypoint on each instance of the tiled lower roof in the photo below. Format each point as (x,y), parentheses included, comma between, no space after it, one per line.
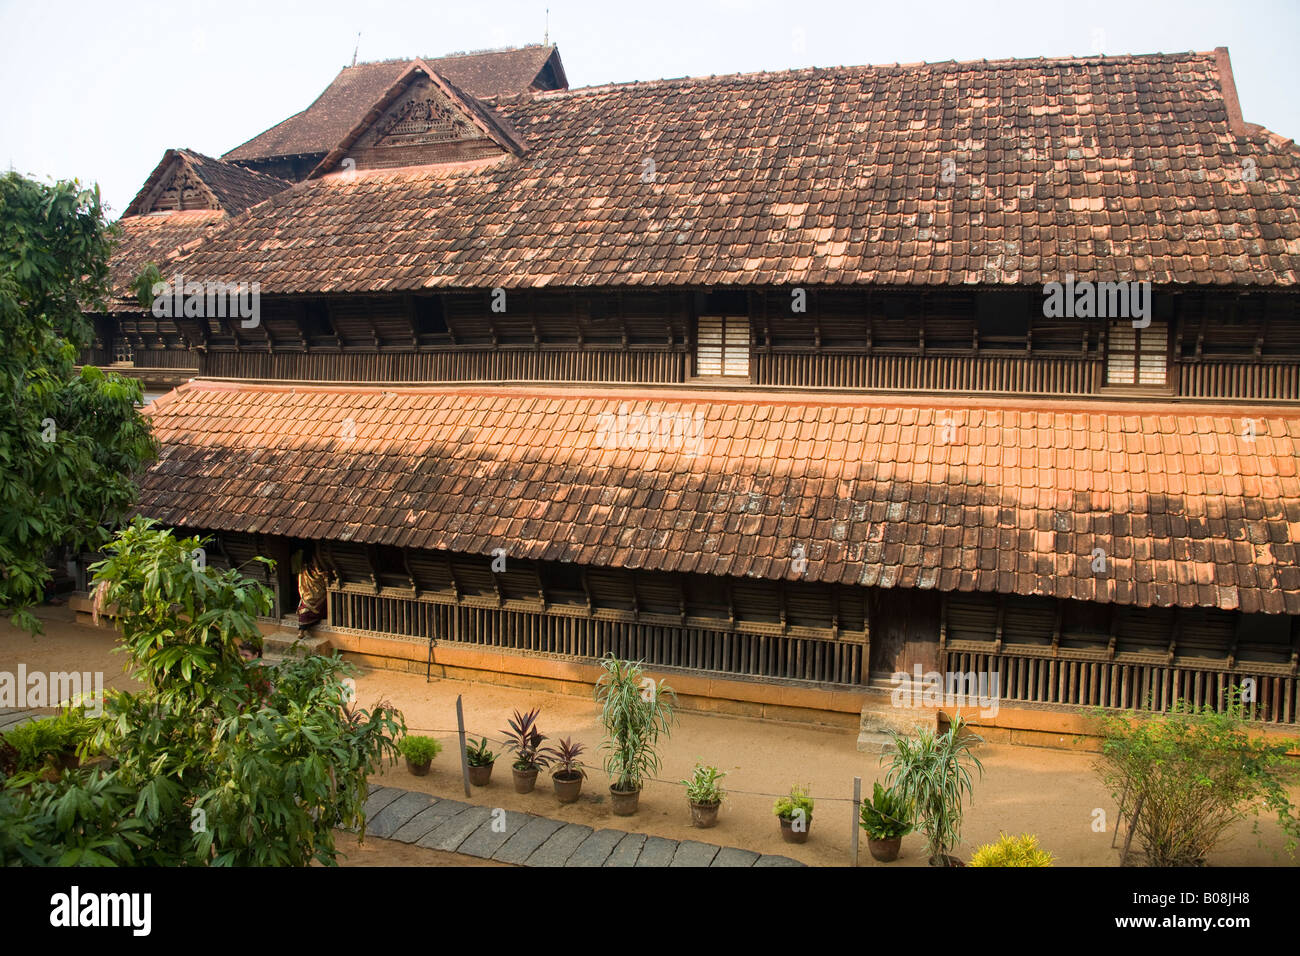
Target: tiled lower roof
(1196,506)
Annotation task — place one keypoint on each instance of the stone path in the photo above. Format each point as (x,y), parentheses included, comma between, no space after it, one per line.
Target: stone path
(11,717)
(521,838)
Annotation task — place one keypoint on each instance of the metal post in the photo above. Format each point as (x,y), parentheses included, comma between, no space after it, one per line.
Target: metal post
(464,758)
(857,805)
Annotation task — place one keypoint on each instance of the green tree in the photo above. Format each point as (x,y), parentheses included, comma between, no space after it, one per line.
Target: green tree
(219,760)
(70,444)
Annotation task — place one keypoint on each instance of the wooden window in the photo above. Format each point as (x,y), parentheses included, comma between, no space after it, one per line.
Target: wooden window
(722,346)
(1138,357)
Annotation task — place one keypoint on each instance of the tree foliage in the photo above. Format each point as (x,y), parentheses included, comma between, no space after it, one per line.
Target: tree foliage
(70,444)
(218,760)
(1196,771)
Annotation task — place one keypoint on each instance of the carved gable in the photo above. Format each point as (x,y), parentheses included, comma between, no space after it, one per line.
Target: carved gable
(180,188)
(422,126)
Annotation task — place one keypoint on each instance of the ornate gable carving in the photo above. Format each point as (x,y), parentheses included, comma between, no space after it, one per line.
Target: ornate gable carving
(181,189)
(423,116)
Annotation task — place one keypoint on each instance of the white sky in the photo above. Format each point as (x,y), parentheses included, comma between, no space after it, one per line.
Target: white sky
(99,90)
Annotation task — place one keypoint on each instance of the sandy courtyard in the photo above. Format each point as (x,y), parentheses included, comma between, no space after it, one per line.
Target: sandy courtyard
(1054,794)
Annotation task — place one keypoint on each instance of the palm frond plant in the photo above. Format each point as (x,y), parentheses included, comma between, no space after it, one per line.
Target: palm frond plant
(932,774)
(635,711)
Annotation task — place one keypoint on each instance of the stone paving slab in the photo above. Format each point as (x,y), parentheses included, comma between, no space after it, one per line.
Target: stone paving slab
(451,834)
(386,822)
(656,852)
(380,797)
(734,856)
(9,719)
(560,846)
(523,838)
(528,838)
(427,819)
(627,850)
(694,853)
(501,825)
(595,850)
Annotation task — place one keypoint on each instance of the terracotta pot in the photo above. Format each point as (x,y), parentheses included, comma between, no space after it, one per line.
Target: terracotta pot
(886,850)
(704,815)
(567,787)
(790,835)
(479,776)
(525,780)
(419,769)
(623,802)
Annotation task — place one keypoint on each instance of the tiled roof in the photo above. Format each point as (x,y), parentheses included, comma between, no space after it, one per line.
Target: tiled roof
(1010,172)
(154,238)
(319,128)
(1192,507)
(233,188)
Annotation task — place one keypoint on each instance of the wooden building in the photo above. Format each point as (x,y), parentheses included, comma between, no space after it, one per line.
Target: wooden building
(755,376)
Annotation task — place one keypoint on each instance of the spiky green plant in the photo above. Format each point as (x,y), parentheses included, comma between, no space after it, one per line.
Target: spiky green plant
(1020,850)
(931,772)
(635,711)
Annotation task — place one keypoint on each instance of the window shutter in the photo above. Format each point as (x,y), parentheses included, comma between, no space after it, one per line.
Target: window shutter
(708,356)
(722,346)
(1137,356)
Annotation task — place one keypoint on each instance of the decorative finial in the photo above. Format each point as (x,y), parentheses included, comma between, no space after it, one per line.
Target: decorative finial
(546,37)
(356,48)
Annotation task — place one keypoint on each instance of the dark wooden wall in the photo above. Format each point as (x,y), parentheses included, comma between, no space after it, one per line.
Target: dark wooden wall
(1222,344)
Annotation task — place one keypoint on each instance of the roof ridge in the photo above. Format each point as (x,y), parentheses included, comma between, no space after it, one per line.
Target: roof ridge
(1016,62)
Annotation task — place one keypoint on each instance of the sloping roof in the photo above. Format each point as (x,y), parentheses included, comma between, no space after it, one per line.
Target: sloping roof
(1010,172)
(1015,498)
(345,101)
(153,238)
(232,188)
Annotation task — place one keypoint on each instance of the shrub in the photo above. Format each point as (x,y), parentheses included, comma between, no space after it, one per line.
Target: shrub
(1197,771)
(932,775)
(702,787)
(1020,850)
(218,761)
(886,815)
(419,750)
(798,800)
(40,745)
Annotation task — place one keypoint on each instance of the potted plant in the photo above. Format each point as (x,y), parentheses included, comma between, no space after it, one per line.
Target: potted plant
(931,772)
(419,753)
(887,819)
(480,761)
(704,795)
(568,773)
(635,711)
(795,815)
(530,756)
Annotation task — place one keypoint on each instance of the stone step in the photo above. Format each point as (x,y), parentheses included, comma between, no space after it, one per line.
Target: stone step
(283,644)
